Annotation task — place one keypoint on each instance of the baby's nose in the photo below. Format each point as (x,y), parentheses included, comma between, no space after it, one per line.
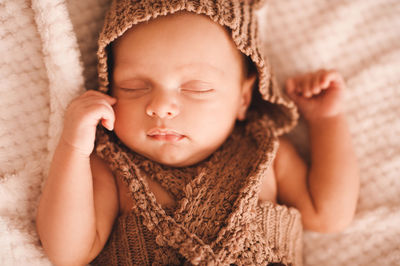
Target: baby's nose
(163,105)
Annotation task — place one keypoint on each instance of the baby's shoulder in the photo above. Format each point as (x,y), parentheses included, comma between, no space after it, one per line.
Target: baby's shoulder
(284,149)
(286,158)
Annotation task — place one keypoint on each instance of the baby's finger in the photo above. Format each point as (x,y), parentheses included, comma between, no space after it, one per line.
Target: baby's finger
(108,123)
(307,84)
(290,87)
(96,94)
(316,87)
(328,77)
(98,110)
(108,118)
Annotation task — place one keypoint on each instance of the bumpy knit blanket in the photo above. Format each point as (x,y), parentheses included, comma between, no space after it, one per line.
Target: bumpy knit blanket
(47,50)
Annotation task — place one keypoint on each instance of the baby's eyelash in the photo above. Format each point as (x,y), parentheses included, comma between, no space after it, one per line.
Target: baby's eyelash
(197,87)
(199,91)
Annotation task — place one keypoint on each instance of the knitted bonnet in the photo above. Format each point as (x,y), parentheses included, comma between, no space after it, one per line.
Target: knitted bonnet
(237,15)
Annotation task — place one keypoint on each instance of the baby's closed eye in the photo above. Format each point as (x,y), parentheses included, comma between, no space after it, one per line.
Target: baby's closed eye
(134,87)
(134,92)
(197,87)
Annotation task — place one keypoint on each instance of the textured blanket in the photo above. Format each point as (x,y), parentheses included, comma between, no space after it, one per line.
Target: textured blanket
(47,50)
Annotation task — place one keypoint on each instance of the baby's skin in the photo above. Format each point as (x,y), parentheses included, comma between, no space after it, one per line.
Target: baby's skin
(169,110)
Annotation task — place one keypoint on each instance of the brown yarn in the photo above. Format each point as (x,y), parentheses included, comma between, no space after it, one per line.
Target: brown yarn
(218,219)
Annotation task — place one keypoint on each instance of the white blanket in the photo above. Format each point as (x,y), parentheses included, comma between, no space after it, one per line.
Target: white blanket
(47,50)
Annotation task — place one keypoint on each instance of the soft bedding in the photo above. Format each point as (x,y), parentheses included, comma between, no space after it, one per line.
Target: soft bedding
(47,57)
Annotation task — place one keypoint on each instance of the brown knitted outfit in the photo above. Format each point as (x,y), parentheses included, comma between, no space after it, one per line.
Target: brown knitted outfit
(217,219)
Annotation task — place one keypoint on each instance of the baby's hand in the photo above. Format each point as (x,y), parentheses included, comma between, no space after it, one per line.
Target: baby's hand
(318,95)
(81,119)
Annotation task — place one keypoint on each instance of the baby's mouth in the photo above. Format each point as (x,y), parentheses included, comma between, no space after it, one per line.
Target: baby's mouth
(163,134)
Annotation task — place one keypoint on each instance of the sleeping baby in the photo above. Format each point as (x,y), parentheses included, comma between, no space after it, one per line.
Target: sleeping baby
(180,157)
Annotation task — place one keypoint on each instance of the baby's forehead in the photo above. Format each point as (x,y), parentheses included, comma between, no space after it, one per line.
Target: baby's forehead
(182,41)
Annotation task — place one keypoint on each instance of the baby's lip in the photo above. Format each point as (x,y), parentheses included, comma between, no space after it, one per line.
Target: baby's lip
(164,134)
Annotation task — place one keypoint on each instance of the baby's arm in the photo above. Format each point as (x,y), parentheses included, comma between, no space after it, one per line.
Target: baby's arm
(79,203)
(326,193)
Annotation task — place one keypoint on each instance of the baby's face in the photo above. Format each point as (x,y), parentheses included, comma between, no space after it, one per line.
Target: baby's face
(180,86)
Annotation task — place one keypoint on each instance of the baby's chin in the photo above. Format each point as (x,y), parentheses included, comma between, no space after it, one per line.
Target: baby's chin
(178,160)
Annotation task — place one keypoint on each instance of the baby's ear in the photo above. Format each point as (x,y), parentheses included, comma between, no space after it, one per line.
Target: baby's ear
(246,95)
(257,4)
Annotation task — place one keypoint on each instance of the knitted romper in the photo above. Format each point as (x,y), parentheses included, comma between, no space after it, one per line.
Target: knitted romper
(217,219)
